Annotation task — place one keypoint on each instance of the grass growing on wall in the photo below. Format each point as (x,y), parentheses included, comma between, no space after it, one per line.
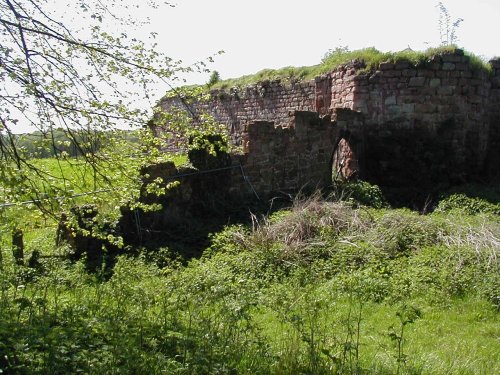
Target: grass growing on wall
(335,58)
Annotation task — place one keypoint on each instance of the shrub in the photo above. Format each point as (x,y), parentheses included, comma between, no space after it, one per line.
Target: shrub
(469,205)
(302,235)
(361,192)
(208,150)
(402,232)
(214,78)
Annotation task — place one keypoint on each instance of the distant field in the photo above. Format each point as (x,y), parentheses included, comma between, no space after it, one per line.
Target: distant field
(76,176)
(62,179)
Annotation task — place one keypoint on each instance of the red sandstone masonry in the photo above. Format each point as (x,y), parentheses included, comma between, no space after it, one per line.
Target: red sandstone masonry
(285,149)
(280,158)
(266,101)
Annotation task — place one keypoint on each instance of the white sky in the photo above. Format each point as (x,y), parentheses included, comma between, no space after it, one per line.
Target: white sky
(258,34)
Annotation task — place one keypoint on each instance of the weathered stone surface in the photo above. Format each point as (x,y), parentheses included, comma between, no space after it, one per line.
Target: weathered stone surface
(495,82)
(426,73)
(425,108)
(390,100)
(435,82)
(387,66)
(416,82)
(451,58)
(446,90)
(495,64)
(290,137)
(409,73)
(401,65)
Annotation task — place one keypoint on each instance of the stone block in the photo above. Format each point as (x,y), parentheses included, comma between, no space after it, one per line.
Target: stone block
(401,65)
(435,59)
(495,82)
(435,82)
(444,108)
(403,99)
(426,73)
(391,73)
(451,58)
(448,66)
(390,100)
(446,90)
(476,82)
(483,90)
(362,82)
(408,108)
(394,81)
(428,118)
(409,73)
(360,90)
(416,82)
(495,64)
(466,90)
(387,66)
(479,74)
(429,92)
(393,109)
(360,97)
(475,99)
(360,106)
(425,108)
(450,82)
(434,65)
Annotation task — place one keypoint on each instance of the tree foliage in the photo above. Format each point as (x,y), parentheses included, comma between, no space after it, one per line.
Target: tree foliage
(79,70)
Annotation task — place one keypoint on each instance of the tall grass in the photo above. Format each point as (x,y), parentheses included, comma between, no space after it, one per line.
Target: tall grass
(324,287)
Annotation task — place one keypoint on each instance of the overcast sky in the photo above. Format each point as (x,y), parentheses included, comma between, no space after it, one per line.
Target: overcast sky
(258,34)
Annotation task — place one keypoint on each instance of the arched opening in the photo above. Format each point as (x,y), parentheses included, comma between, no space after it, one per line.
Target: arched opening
(345,165)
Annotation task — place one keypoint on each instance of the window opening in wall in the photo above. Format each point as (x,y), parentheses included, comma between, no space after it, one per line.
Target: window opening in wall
(345,164)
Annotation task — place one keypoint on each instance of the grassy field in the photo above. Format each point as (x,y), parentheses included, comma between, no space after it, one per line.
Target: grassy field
(324,287)
(65,183)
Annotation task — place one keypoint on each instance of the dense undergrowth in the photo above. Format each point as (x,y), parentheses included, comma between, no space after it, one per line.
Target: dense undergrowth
(324,287)
(341,56)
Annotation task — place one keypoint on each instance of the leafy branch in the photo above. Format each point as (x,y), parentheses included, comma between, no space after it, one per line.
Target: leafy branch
(86,81)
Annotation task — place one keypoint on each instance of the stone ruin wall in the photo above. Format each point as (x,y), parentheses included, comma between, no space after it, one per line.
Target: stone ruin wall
(414,126)
(266,101)
(444,106)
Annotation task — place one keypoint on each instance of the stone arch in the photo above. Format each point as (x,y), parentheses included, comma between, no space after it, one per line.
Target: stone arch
(345,162)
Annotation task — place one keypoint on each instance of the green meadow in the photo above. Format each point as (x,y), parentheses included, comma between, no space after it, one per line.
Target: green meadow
(321,287)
